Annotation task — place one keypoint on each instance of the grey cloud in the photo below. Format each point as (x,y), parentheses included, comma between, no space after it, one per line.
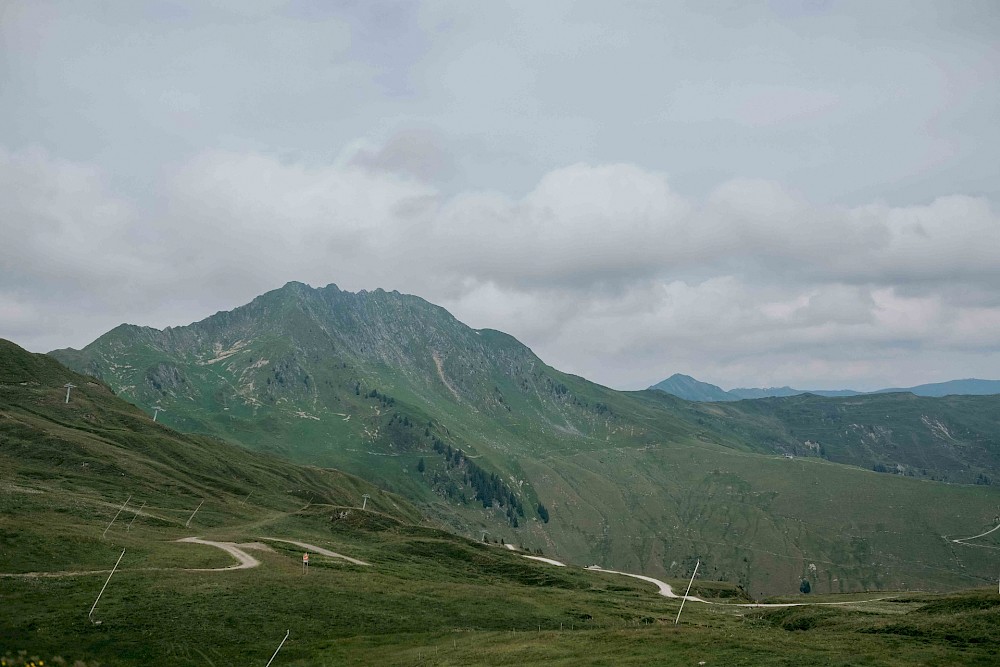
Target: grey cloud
(600,268)
(415,152)
(766,193)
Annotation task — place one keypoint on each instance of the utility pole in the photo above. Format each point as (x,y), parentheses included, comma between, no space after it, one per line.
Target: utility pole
(157,410)
(678,619)
(193,513)
(277,649)
(365,503)
(135,515)
(69,387)
(116,515)
(91,614)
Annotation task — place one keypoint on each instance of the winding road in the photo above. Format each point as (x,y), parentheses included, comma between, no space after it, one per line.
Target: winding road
(247,561)
(667,591)
(237,551)
(965,540)
(319,550)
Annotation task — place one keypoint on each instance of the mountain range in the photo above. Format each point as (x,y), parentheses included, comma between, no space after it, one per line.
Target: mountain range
(482,436)
(688,388)
(194,548)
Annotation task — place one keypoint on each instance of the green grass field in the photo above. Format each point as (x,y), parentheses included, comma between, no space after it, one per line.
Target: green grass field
(427,597)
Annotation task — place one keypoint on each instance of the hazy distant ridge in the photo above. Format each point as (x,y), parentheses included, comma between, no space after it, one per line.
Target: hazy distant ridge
(688,388)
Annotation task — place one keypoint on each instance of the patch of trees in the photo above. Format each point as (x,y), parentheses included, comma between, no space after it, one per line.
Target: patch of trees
(488,487)
(385,399)
(543,513)
(400,432)
(983,480)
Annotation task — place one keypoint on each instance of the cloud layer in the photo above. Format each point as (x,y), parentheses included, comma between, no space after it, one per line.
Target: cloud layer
(604,270)
(753,193)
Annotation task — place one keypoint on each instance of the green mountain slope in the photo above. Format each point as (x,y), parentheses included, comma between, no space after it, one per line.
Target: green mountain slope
(419,595)
(482,435)
(955,438)
(102,446)
(374,383)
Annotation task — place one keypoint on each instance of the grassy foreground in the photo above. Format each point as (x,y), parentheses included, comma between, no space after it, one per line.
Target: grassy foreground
(427,598)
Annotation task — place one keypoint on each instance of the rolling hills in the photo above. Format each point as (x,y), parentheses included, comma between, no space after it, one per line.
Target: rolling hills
(91,480)
(481,435)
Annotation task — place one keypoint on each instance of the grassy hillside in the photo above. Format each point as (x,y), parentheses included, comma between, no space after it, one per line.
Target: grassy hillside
(373,383)
(954,438)
(482,435)
(424,596)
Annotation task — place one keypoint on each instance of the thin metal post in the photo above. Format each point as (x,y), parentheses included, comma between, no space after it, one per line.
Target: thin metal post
(277,649)
(135,515)
(193,513)
(91,614)
(246,499)
(678,619)
(116,515)
(69,387)
(365,503)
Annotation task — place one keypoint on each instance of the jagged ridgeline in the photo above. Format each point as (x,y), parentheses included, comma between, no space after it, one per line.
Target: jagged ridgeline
(374,383)
(482,435)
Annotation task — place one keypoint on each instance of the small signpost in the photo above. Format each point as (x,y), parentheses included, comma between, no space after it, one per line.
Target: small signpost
(305,563)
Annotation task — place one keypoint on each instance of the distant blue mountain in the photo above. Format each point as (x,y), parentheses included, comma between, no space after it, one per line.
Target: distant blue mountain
(767,392)
(968,387)
(688,388)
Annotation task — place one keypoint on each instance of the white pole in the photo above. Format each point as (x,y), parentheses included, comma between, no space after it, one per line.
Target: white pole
(91,614)
(246,499)
(135,515)
(277,649)
(116,516)
(193,513)
(678,619)
(365,503)
(157,410)
(69,386)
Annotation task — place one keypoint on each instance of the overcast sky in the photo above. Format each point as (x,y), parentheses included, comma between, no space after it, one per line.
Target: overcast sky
(789,192)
